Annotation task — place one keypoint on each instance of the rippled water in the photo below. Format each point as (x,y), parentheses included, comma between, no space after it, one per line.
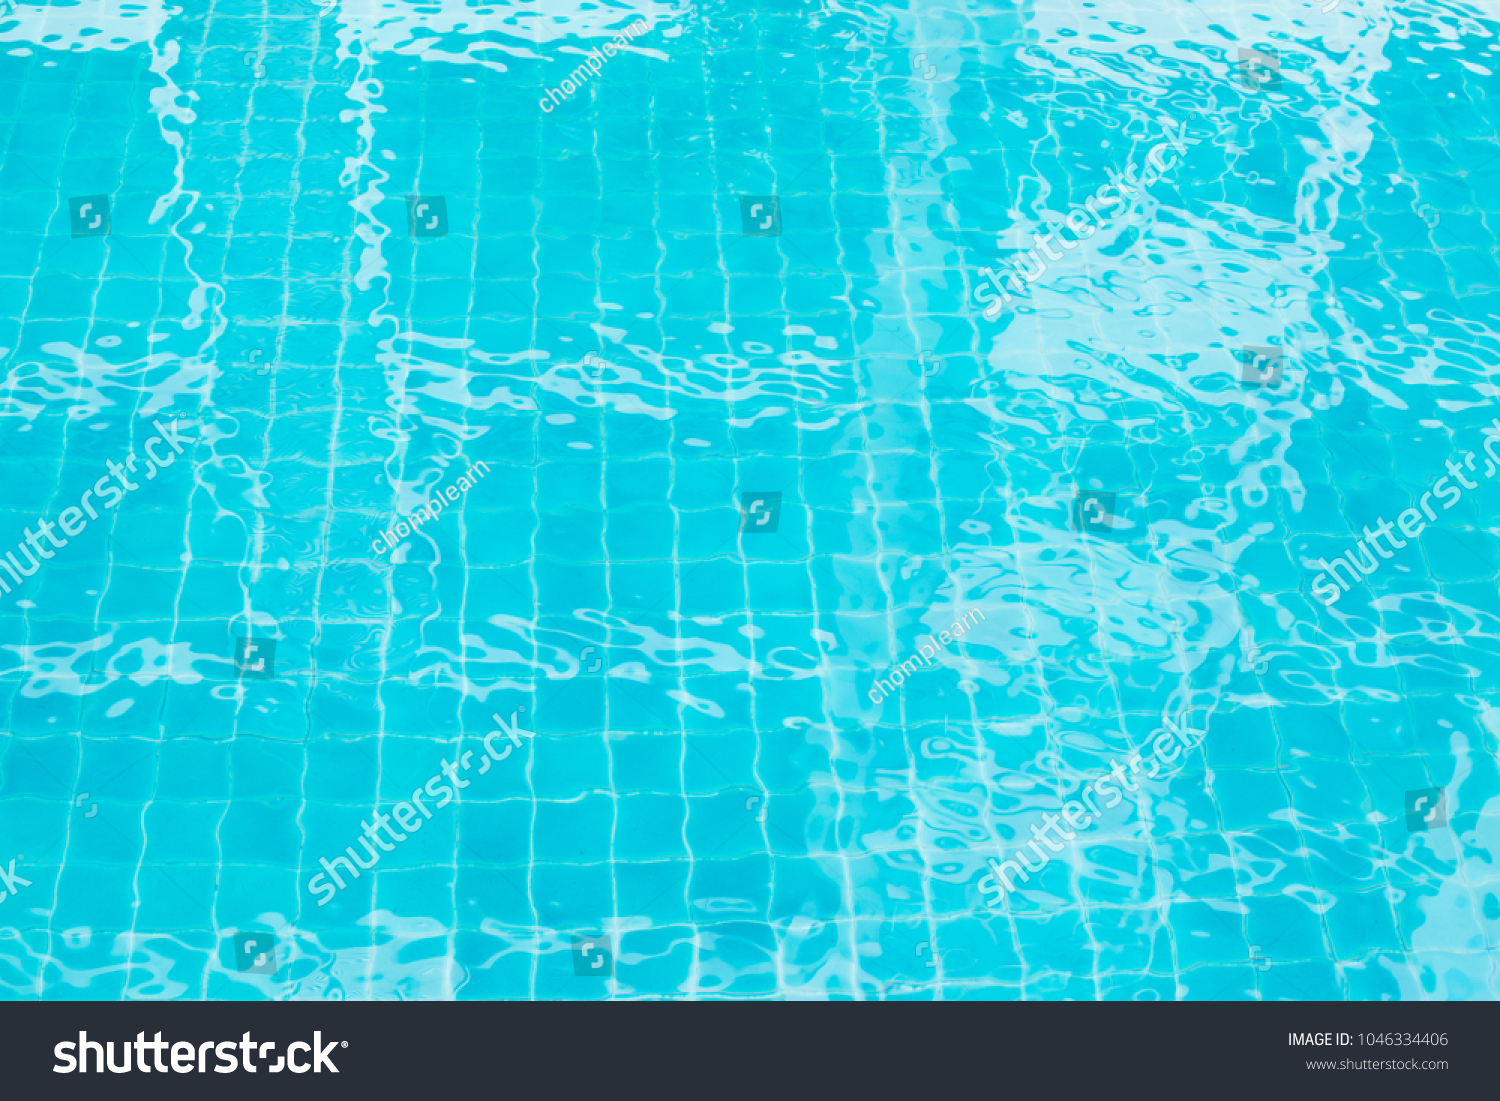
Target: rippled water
(718,799)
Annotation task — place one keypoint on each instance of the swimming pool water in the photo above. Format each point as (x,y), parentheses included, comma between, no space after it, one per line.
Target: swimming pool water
(749,444)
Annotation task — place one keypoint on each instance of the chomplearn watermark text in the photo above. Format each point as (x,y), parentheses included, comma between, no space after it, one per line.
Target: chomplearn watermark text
(594,61)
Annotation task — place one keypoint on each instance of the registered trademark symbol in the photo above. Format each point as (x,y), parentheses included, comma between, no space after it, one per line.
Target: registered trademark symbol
(346,1043)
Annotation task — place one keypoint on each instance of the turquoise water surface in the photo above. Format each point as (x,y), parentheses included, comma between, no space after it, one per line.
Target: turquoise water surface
(559,508)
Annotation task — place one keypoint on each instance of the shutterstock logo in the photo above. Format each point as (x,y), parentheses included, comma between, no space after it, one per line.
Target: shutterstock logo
(593,956)
(760,216)
(1425,809)
(187,1058)
(760,512)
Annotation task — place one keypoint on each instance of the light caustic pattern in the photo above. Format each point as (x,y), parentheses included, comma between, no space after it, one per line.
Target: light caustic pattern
(713,327)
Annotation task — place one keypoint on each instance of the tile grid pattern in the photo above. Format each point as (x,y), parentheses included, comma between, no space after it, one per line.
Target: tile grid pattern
(846,795)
